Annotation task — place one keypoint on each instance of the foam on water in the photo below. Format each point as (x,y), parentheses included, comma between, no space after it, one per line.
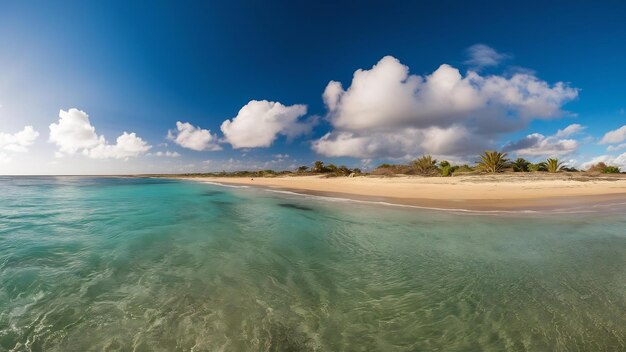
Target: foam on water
(224,184)
(153,265)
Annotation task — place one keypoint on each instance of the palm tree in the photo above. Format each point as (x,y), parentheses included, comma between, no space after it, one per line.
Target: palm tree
(343,170)
(303,168)
(318,166)
(492,161)
(521,165)
(426,166)
(554,165)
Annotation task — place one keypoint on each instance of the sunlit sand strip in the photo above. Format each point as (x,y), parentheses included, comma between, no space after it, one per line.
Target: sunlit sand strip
(573,204)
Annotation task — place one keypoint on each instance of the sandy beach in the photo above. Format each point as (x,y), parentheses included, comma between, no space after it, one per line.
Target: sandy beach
(477,192)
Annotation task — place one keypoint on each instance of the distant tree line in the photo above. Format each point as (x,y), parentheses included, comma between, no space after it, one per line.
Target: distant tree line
(331,169)
(318,168)
(489,162)
(426,165)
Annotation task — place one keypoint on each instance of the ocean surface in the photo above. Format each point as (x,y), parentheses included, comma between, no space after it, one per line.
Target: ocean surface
(129,264)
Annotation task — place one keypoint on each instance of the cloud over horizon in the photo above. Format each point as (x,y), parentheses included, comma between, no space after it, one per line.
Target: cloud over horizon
(195,138)
(126,146)
(73,133)
(536,144)
(614,136)
(260,122)
(387,112)
(17,142)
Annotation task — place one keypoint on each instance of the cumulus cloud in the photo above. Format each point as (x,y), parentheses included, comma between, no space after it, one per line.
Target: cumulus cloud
(481,55)
(537,144)
(387,112)
(259,123)
(615,136)
(74,133)
(455,140)
(191,137)
(127,145)
(18,141)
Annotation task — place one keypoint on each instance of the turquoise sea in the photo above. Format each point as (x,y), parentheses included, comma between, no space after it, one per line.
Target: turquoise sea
(131,264)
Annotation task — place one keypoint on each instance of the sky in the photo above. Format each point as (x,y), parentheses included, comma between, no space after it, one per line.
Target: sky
(120,87)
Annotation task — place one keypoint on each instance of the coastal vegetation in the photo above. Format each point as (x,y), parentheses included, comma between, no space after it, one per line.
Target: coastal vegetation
(604,168)
(426,166)
(521,165)
(553,165)
(490,162)
(330,170)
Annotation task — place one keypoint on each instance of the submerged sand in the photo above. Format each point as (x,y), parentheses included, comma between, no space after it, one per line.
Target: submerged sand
(480,192)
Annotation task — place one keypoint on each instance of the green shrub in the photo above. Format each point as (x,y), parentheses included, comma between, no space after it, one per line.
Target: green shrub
(463,169)
(604,168)
(521,165)
(446,170)
(611,170)
(537,167)
(425,166)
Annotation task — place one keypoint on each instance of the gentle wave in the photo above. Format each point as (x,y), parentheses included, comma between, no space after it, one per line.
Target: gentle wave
(223,185)
(449,210)
(453,210)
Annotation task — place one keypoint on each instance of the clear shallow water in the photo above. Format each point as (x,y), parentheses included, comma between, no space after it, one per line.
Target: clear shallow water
(157,265)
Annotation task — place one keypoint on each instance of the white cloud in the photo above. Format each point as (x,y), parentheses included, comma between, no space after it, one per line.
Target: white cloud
(403,143)
(19,141)
(570,130)
(188,136)
(537,144)
(613,148)
(127,145)
(615,136)
(74,133)
(387,112)
(481,55)
(259,123)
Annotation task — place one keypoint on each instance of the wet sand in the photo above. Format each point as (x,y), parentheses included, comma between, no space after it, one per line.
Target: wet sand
(474,192)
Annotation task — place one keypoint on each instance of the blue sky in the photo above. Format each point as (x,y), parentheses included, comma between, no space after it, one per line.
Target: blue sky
(134,70)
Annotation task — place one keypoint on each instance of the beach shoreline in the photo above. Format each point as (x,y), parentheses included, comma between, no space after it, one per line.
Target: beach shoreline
(513,192)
